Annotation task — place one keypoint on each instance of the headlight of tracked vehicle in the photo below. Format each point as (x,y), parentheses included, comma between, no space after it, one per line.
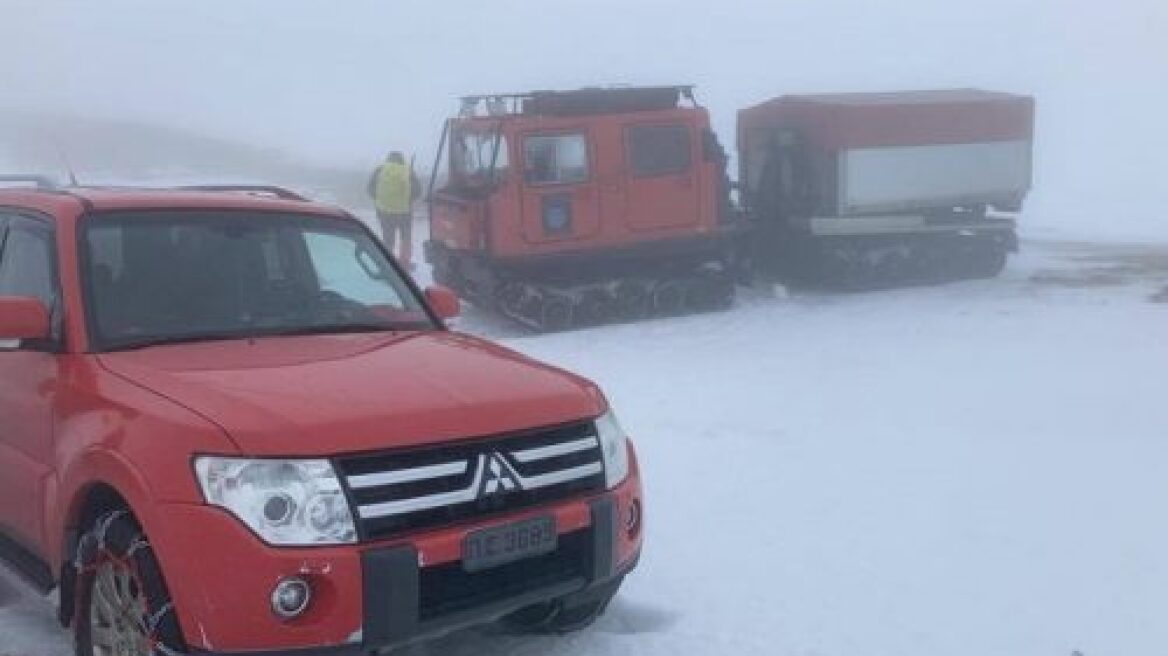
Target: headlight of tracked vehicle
(614,444)
(286,502)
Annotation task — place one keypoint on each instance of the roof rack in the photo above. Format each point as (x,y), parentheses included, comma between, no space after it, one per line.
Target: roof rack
(38,181)
(258,190)
(577,102)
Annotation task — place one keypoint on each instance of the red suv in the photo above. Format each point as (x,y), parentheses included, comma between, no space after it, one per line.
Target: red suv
(229,423)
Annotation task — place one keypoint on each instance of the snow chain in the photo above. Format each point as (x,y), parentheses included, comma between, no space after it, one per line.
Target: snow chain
(92,552)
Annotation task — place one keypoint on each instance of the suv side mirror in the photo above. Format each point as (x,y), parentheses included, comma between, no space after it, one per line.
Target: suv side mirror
(444,302)
(23,318)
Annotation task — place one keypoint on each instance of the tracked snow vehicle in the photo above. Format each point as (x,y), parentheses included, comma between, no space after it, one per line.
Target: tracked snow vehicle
(868,190)
(565,209)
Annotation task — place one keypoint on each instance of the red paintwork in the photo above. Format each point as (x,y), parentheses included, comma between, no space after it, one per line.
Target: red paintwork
(120,199)
(611,209)
(443,385)
(444,301)
(834,122)
(134,420)
(216,588)
(23,318)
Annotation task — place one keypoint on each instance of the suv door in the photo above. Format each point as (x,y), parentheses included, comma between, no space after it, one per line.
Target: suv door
(663,187)
(28,376)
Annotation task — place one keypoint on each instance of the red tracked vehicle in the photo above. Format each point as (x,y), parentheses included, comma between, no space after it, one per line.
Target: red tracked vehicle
(563,209)
(573,208)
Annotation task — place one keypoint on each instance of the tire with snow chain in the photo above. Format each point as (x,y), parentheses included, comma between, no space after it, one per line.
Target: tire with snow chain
(123,607)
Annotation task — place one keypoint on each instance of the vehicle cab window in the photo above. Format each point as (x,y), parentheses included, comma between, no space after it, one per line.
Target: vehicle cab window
(28,266)
(26,261)
(659,150)
(475,151)
(479,160)
(555,159)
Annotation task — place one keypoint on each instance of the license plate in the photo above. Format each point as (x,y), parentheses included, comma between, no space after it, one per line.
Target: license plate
(505,544)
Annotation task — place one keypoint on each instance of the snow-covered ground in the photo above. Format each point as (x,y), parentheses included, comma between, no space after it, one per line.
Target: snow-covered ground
(970,469)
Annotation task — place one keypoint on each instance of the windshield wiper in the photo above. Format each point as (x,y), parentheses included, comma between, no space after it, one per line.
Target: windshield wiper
(323,329)
(332,329)
(177,339)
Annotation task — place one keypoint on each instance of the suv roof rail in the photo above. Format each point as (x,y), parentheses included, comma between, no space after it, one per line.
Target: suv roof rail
(259,190)
(39,181)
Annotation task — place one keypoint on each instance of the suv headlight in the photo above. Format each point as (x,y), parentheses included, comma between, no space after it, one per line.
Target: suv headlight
(614,444)
(285,502)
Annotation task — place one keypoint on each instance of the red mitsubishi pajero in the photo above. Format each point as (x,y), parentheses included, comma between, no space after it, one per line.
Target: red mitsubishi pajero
(230,423)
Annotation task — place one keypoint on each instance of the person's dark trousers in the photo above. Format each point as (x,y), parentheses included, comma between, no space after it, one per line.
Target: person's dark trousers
(391,225)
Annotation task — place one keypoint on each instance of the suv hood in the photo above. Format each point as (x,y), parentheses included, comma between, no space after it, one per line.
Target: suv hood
(333,394)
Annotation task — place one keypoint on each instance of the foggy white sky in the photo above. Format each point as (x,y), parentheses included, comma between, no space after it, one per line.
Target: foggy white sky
(341,82)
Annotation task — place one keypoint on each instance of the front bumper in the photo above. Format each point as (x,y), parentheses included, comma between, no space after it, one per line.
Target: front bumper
(404,602)
(374,597)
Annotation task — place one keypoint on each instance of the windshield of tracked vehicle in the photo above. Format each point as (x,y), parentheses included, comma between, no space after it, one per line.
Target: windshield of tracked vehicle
(474,153)
(186,276)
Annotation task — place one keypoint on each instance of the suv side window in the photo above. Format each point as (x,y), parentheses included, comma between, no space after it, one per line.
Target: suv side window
(27,263)
(657,150)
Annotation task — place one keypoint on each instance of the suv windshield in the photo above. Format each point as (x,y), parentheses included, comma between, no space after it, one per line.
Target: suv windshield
(166,277)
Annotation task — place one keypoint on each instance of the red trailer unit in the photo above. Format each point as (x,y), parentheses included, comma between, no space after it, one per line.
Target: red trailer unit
(573,208)
(872,188)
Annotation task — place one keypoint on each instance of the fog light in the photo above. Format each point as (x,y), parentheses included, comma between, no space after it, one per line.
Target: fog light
(290,598)
(633,518)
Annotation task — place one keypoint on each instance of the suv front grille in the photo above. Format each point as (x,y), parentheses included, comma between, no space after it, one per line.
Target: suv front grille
(421,488)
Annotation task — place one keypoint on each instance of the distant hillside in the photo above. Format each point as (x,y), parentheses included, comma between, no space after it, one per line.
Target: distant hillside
(113,151)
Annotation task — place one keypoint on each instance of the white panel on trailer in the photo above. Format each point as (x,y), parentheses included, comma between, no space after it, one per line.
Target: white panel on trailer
(889,179)
(897,224)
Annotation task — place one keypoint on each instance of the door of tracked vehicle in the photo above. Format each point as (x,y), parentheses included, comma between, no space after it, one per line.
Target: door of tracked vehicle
(662,186)
(561,201)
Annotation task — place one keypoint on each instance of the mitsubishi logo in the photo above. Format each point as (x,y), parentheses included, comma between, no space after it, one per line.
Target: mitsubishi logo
(497,476)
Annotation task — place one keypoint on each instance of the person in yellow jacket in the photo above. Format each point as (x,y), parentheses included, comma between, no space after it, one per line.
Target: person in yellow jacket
(394,188)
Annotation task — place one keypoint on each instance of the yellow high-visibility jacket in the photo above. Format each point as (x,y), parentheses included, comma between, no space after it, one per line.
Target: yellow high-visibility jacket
(394,188)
